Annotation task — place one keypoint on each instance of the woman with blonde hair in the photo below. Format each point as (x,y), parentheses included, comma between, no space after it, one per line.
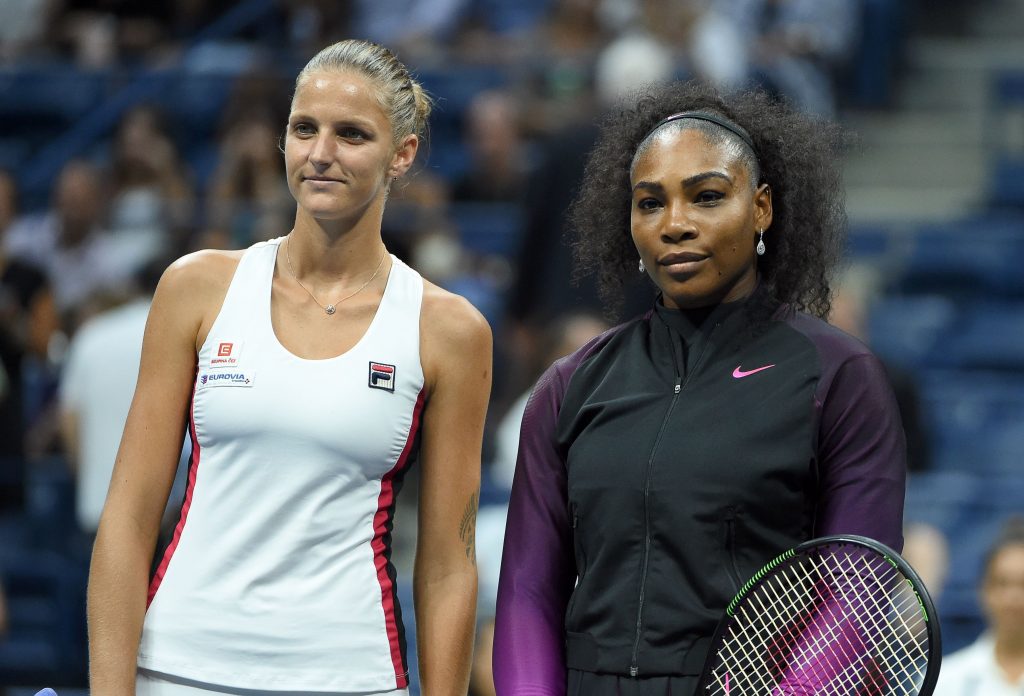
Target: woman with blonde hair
(311,371)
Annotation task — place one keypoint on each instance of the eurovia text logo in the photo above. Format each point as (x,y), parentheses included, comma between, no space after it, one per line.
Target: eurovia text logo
(382,376)
(226,379)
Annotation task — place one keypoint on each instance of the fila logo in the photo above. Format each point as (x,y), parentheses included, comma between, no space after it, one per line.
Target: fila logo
(382,376)
(224,350)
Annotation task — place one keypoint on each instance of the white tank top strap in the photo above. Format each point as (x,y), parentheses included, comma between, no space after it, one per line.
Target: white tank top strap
(252,280)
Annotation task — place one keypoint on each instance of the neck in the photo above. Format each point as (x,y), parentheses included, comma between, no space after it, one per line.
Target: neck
(1009,655)
(334,249)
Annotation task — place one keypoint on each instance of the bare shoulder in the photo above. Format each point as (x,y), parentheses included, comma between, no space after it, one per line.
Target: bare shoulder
(450,320)
(455,347)
(193,287)
(201,271)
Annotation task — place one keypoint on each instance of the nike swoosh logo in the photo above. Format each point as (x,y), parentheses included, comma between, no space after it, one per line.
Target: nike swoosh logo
(740,374)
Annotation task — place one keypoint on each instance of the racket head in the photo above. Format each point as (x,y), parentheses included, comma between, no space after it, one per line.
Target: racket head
(842,615)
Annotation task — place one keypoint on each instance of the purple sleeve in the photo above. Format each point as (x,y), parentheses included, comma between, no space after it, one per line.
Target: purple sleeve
(537,567)
(861,454)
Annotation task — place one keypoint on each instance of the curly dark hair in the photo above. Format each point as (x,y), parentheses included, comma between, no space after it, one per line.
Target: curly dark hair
(799,159)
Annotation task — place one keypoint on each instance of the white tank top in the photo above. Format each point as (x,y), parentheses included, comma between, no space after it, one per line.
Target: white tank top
(278,575)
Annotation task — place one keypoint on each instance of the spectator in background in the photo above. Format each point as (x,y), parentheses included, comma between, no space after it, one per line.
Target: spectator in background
(24,293)
(152,202)
(249,199)
(994,664)
(417,29)
(544,286)
(926,549)
(23,28)
(28,320)
(499,162)
(562,336)
(560,64)
(96,388)
(70,241)
(690,35)
(797,46)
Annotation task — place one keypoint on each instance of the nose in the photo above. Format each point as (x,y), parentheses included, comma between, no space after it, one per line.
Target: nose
(678,225)
(322,151)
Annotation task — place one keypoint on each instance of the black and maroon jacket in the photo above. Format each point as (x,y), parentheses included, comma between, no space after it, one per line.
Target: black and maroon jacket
(664,463)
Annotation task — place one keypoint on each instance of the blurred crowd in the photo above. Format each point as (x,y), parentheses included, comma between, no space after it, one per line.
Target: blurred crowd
(519,87)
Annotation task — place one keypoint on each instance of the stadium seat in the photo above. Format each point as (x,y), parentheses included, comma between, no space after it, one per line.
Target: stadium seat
(1006,182)
(965,259)
(46,613)
(968,412)
(48,96)
(907,330)
(942,498)
(990,336)
(50,504)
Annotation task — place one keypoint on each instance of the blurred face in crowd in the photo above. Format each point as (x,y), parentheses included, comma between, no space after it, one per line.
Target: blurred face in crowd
(1002,593)
(493,128)
(339,155)
(694,217)
(79,201)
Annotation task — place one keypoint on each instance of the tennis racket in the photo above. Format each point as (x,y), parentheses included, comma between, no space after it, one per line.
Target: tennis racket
(839,615)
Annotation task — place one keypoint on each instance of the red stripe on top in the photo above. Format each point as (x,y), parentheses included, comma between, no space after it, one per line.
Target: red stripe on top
(193,466)
(380,520)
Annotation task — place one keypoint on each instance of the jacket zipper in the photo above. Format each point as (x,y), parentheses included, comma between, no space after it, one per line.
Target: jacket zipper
(634,668)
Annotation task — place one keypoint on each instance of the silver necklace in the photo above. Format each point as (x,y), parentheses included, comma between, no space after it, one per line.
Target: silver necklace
(331,308)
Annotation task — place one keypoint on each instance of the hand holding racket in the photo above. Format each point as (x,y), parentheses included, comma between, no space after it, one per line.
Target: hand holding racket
(836,616)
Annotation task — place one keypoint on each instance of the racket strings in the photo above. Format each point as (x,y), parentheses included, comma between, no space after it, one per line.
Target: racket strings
(900,646)
(838,624)
(787,616)
(866,609)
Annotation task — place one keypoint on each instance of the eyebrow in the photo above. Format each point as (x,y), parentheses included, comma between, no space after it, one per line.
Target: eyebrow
(351,122)
(687,182)
(649,185)
(703,176)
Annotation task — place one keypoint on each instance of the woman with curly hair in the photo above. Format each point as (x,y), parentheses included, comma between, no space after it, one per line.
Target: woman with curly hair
(667,460)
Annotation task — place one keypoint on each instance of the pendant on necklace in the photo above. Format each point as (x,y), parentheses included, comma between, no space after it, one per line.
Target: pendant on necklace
(329,309)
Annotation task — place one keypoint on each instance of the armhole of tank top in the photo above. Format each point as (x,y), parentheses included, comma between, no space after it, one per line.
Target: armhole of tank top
(233,289)
(416,277)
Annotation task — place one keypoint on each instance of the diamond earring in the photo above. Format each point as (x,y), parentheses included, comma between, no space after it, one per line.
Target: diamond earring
(760,243)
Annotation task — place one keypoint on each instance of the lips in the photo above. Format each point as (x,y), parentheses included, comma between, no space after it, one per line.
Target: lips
(681,257)
(322,179)
(682,264)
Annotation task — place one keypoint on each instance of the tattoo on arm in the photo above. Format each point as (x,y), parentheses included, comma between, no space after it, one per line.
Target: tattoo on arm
(467,528)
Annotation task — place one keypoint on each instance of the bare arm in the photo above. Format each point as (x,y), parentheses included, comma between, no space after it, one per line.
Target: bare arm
(143,474)
(457,367)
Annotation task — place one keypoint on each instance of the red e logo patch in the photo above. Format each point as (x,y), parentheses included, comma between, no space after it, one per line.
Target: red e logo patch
(224,350)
